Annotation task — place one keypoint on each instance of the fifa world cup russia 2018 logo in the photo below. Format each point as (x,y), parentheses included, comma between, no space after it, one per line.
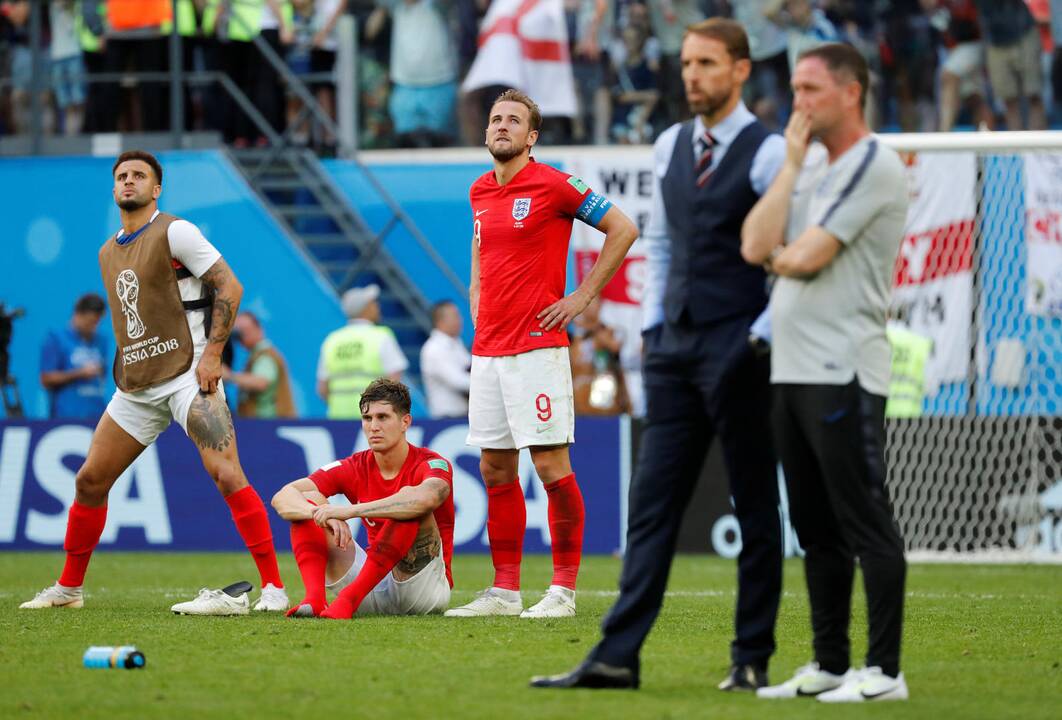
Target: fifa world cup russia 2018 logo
(128,288)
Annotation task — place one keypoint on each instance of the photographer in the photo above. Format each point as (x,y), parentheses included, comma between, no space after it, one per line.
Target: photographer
(73,362)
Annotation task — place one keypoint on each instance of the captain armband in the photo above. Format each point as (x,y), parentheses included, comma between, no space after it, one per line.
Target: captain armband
(593,208)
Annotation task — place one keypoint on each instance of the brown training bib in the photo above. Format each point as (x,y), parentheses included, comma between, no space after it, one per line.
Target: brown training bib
(153,342)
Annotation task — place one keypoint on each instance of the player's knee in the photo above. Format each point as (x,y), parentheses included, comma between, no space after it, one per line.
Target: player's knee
(495,474)
(551,468)
(91,486)
(228,477)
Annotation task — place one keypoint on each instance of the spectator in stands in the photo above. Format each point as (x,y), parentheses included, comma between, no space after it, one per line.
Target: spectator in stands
(326,14)
(805,24)
(17,14)
(445,363)
(91,36)
(962,76)
(597,379)
(910,64)
(590,31)
(356,354)
(635,59)
(264,387)
(298,59)
(767,92)
(74,361)
(669,20)
(278,30)
(1014,60)
(1056,55)
(68,71)
(374,85)
(137,40)
(240,23)
(424,72)
(1041,12)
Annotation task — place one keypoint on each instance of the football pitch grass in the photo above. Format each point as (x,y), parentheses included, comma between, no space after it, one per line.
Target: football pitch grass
(979,642)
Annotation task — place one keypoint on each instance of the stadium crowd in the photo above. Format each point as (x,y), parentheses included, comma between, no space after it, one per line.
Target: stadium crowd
(934,64)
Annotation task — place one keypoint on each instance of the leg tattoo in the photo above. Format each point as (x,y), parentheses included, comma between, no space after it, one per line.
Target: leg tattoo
(209,422)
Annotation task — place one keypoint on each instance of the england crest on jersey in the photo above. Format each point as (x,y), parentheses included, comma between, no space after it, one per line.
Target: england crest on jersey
(521,208)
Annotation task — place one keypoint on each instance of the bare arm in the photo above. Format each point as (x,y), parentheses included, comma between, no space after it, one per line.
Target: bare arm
(330,24)
(764,227)
(227,294)
(291,504)
(811,252)
(473,282)
(620,234)
(52,379)
(409,503)
(250,382)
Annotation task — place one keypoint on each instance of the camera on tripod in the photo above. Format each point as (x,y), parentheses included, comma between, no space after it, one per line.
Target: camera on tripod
(8,385)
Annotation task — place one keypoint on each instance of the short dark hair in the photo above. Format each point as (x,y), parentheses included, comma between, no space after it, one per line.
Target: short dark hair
(90,303)
(514,95)
(845,63)
(140,155)
(388,391)
(729,32)
(437,308)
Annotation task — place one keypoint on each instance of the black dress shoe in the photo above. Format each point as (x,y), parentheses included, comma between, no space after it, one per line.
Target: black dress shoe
(591,674)
(744,677)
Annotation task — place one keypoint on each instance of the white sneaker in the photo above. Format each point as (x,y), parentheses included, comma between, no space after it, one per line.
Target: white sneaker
(492,601)
(213,602)
(55,596)
(558,602)
(807,681)
(868,684)
(273,599)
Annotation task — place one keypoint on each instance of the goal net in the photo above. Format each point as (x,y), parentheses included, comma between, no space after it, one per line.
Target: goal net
(975,469)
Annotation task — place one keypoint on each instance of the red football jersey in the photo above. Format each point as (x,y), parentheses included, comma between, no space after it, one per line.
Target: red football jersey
(523,229)
(359,478)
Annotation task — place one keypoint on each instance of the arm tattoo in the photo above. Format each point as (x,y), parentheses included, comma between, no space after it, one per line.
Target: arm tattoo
(425,548)
(219,279)
(209,423)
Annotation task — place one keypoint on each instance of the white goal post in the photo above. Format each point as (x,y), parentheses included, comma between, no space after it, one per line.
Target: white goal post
(978,476)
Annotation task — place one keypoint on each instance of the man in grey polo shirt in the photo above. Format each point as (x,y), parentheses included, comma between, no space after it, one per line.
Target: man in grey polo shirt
(830,227)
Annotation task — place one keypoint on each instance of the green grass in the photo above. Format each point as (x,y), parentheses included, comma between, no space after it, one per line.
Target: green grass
(980,642)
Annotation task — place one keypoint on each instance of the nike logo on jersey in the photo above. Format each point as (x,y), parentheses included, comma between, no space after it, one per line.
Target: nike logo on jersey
(480,212)
(543,428)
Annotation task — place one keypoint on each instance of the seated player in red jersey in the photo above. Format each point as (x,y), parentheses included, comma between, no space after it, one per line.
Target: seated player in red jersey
(403,493)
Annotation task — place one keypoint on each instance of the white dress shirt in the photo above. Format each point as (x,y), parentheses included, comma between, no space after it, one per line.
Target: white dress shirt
(765,166)
(445,364)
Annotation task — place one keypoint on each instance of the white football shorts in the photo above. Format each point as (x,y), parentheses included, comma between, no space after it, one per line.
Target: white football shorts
(519,401)
(425,593)
(146,413)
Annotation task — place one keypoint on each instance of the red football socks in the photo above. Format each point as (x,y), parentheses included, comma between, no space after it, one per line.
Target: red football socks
(84,525)
(506,523)
(310,546)
(566,518)
(251,520)
(392,543)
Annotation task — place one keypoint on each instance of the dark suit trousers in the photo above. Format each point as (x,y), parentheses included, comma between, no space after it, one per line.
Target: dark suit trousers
(699,382)
(832,442)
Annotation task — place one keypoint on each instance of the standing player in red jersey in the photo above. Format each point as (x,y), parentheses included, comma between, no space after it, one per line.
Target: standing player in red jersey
(521,394)
(403,492)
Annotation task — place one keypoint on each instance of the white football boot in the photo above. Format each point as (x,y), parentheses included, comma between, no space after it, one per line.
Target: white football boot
(867,685)
(214,602)
(55,596)
(492,601)
(558,602)
(807,681)
(273,599)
